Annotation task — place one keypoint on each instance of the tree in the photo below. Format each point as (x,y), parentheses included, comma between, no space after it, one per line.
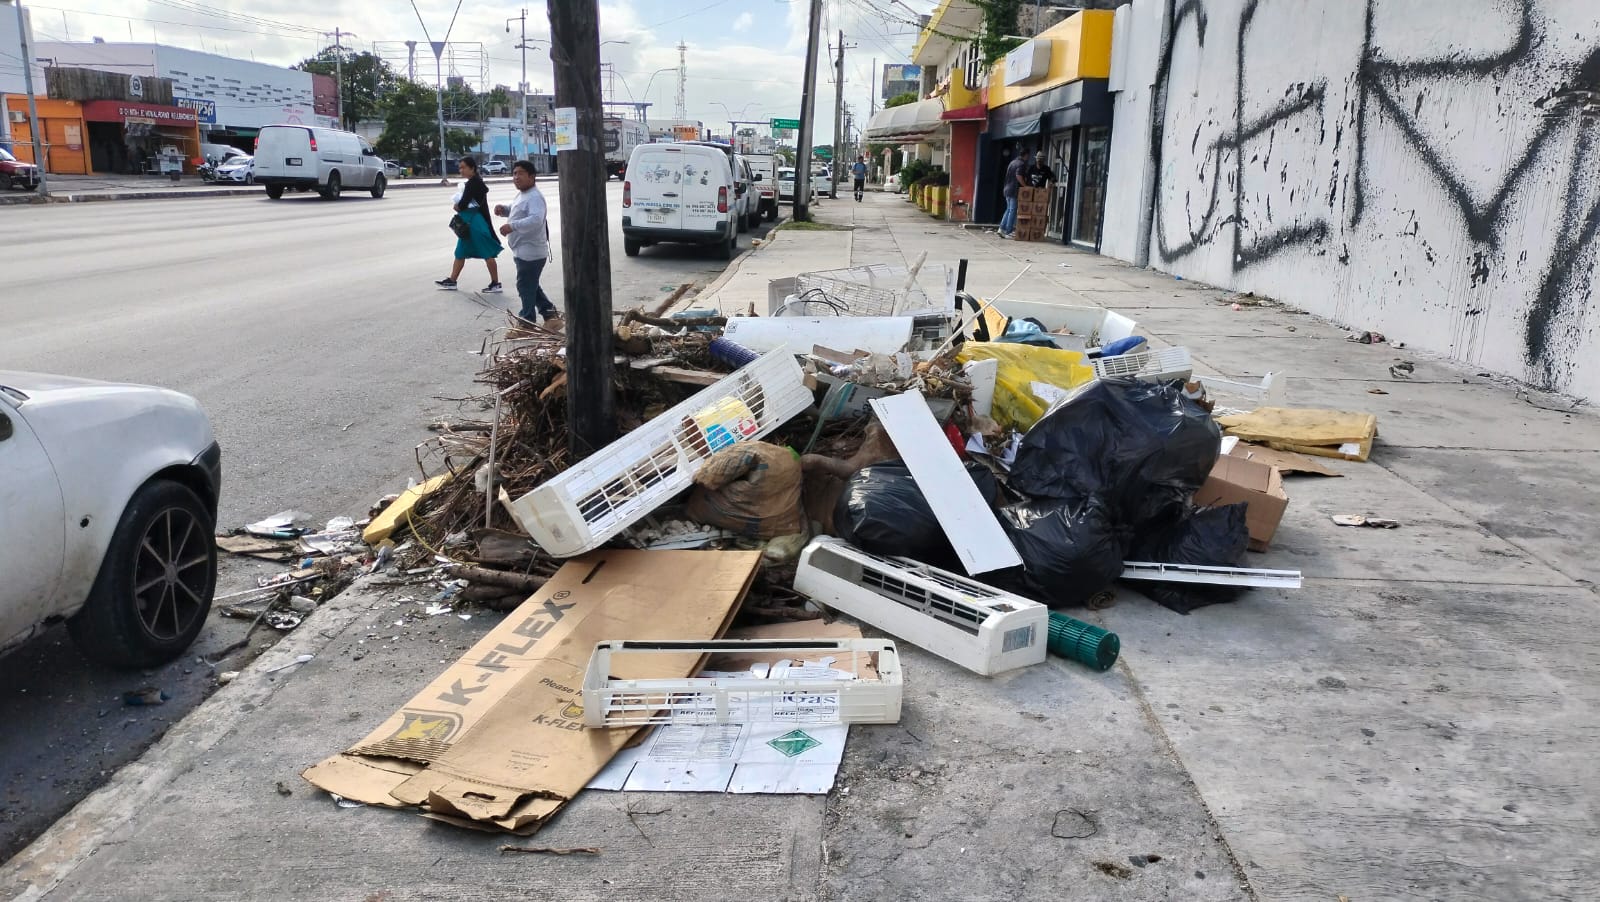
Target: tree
(900,99)
(367,79)
(459,141)
(410,125)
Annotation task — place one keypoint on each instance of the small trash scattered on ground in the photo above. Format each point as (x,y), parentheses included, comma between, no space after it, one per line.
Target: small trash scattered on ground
(1359,520)
(145,697)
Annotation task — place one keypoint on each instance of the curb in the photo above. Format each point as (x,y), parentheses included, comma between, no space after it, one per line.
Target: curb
(47,861)
(728,272)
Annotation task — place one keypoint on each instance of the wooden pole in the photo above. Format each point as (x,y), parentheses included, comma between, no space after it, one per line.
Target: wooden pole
(585,242)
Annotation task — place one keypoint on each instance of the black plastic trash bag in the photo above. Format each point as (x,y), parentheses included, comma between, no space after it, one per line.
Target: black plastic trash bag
(1214,537)
(1070,552)
(1141,448)
(883,511)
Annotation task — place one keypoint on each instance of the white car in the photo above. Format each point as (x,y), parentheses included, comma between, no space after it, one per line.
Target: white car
(786,184)
(109,498)
(820,183)
(495,167)
(238,169)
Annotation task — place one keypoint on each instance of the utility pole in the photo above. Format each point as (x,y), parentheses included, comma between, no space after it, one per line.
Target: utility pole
(838,120)
(33,106)
(872,96)
(338,70)
(808,105)
(585,245)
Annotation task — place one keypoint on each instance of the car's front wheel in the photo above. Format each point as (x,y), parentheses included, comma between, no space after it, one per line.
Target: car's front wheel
(156,581)
(379,185)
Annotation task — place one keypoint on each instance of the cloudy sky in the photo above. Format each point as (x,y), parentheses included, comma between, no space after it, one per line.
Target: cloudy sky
(745,57)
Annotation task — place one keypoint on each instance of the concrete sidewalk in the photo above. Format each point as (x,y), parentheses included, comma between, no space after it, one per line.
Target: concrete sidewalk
(1416,722)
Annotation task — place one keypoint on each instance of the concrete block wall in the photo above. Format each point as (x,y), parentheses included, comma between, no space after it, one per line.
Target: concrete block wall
(1429,169)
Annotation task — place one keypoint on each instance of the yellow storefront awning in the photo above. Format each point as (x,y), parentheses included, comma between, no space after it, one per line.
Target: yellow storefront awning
(911,122)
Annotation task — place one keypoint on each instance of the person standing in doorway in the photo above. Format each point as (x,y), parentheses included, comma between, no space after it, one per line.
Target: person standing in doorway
(1016,179)
(480,243)
(527,231)
(1041,175)
(859,170)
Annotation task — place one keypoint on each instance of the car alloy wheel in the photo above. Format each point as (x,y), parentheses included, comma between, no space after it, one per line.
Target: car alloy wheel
(156,581)
(172,572)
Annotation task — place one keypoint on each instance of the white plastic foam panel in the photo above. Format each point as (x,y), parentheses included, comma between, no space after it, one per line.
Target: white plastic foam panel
(1162,365)
(809,694)
(602,495)
(981,628)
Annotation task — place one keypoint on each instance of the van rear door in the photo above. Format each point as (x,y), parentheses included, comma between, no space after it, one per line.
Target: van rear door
(707,180)
(656,180)
(285,151)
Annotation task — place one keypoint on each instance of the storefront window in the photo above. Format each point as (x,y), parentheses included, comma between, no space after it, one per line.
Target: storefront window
(1091,184)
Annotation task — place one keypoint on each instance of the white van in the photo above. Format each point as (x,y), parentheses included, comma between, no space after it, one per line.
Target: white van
(324,159)
(682,193)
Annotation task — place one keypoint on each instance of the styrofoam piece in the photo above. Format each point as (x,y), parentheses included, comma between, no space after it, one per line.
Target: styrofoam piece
(878,334)
(983,374)
(967,520)
(1161,366)
(605,493)
(979,627)
(799,695)
(1211,576)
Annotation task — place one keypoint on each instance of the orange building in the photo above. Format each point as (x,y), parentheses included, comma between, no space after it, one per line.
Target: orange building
(62,129)
(104,136)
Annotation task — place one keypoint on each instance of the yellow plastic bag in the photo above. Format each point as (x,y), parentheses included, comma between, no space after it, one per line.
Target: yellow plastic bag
(1018,401)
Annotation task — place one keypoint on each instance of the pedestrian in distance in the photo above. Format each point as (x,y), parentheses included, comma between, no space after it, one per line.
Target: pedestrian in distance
(1016,179)
(859,170)
(527,231)
(480,242)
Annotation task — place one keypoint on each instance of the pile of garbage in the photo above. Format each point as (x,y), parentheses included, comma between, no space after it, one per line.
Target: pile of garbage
(948,470)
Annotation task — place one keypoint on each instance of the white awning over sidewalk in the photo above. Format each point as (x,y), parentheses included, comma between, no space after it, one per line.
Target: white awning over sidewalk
(909,123)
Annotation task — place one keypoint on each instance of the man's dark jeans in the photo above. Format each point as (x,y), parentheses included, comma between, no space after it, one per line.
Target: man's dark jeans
(534,301)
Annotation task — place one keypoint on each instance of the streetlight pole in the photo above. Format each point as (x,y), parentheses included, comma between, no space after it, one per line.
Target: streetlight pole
(522,86)
(338,69)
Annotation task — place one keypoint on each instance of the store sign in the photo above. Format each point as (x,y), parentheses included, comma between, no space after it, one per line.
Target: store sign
(205,110)
(128,111)
(1029,63)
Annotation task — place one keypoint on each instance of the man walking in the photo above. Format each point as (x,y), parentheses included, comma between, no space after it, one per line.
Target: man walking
(527,231)
(859,170)
(1016,178)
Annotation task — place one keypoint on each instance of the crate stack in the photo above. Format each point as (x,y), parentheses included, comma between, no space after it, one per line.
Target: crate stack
(1033,213)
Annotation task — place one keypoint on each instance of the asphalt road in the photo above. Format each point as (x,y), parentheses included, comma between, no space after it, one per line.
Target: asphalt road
(313,335)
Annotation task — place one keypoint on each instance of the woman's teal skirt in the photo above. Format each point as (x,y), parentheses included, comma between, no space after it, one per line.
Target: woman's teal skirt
(483,243)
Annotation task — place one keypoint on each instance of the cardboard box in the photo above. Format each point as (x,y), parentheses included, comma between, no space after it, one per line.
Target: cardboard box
(497,741)
(1236,479)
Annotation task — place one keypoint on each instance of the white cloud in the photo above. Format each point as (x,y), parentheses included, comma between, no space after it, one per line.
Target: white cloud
(745,20)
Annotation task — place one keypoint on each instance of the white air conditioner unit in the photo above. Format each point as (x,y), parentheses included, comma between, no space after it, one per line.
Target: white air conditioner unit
(18,116)
(963,621)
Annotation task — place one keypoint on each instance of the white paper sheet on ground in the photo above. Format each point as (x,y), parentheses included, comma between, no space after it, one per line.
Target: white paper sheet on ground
(774,757)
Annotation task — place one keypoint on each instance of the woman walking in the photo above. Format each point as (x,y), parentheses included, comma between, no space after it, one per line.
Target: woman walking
(481,242)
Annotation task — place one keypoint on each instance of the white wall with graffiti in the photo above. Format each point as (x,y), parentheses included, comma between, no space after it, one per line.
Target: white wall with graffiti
(1429,169)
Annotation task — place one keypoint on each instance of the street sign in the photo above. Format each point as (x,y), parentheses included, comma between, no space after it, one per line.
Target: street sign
(822,152)
(785,123)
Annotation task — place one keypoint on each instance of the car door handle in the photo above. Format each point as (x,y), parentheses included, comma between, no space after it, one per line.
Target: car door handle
(669,194)
(5,427)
